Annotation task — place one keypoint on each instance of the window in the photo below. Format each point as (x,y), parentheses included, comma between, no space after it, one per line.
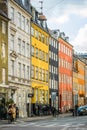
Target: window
(36,73)
(46,76)
(46,98)
(12,42)
(37,52)
(19,45)
(32,31)
(47,40)
(28,75)
(28,50)
(3,75)
(36,95)
(40,72)
(3,27)
(23,2)
(19,70)
(23,22)
(43,55)
(27,26)
(46,57)
(3,50)
(33,14)
(40,54)
(32,51)
(23,47)
(43,38)
(12,67)
(36,34)
(32,71)
(12,14)
(43,75)
(19,20)
(23,71)
(39,36)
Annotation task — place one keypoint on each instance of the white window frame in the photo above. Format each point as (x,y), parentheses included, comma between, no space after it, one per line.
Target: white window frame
(19,19)
(3,27)
(12,42)
(3,50)
(12,67)
(19,70)
(19,45)
(24,71)
(3,75)
(12,14)
(23,22)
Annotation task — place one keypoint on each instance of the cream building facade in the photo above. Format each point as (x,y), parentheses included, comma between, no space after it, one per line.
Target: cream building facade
(19,55)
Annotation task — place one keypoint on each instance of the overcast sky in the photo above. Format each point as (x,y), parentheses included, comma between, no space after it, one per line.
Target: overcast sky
(70,17)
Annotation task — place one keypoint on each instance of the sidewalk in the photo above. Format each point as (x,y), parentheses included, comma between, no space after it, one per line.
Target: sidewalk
(36,118)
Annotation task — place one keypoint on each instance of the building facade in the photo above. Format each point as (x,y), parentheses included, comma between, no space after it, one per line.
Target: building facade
(65,73)
(3,56)
(53,69)
(81,82)
(39,61)
(75,80)
(19,55)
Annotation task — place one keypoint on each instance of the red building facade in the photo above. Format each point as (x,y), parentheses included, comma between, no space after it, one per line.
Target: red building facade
(65,75)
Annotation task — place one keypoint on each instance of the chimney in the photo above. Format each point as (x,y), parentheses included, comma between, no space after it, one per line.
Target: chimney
(62,35)
(67,39)
(3,6)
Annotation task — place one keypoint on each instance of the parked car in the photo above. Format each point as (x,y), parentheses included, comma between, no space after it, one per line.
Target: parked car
(82,110)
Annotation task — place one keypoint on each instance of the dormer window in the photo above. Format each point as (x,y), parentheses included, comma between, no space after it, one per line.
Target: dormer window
(23,2)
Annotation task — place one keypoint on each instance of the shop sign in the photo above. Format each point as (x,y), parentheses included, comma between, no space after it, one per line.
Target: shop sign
(30,94)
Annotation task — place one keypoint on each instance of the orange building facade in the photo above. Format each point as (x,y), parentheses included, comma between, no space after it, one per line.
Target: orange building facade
(65,75)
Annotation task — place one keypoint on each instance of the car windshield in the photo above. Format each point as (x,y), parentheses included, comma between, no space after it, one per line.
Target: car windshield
(82,107)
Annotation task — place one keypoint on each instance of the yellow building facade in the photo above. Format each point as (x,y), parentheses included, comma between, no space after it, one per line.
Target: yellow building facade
(40,65)
(79,82)
(3,57)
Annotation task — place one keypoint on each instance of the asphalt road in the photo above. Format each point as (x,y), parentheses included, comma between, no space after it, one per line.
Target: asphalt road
(64,123)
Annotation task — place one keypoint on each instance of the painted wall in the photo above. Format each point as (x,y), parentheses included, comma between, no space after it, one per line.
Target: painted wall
(40,63)
(65,75)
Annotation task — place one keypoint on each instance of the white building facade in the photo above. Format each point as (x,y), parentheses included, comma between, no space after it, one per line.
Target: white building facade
(19,55)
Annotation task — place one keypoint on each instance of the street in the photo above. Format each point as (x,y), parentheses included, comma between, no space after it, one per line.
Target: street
(63,123)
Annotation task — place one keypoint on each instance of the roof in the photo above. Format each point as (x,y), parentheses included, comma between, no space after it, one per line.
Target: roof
(3,14)
(26,7)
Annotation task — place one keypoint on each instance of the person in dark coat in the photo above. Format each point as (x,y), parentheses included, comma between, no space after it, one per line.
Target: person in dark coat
(17,111)
(53,111)
(76,108)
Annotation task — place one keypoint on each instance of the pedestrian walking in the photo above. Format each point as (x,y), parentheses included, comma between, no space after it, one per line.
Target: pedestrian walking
(53,111)
(10,114)
(76,108)
(14,112)
(17,111)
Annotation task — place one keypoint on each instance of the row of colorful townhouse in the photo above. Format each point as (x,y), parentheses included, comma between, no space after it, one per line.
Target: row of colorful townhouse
(38,66)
